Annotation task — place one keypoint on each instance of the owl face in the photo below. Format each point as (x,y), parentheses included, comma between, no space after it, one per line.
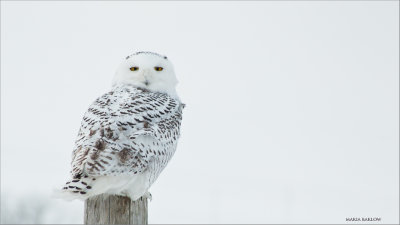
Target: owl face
(147,70)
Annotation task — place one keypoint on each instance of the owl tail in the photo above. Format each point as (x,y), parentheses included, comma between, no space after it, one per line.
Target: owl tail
(76,188)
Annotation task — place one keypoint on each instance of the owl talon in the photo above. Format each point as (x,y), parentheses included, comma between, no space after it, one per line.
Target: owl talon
(148,196)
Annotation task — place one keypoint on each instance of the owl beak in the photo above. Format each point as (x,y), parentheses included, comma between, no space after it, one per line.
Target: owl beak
(145,74)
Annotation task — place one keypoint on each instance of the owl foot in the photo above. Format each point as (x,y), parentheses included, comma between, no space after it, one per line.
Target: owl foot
(148,196)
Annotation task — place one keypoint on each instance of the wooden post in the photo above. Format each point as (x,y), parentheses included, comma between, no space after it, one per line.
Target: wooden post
(115,209)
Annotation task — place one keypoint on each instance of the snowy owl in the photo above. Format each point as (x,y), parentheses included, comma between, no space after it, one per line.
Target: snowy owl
(128,135)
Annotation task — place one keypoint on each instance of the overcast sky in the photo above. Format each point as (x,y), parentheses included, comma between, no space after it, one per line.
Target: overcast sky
(292,107)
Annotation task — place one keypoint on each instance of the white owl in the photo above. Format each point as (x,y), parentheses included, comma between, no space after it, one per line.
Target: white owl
(129,134)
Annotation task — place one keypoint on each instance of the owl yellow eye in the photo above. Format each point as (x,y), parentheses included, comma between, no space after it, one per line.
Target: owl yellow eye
(157,68)
(134,68)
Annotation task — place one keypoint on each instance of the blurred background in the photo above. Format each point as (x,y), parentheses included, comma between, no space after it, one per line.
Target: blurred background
(292,107)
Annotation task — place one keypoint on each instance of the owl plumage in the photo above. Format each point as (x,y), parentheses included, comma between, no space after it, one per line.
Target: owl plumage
(126,138)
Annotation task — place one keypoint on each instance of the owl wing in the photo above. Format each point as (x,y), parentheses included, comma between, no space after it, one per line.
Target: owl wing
(123,130)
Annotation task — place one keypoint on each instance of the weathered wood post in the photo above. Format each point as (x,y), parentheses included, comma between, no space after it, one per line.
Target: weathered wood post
(115,209)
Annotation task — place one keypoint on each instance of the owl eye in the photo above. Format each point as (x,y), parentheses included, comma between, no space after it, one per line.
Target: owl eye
(134,68)
(157,68)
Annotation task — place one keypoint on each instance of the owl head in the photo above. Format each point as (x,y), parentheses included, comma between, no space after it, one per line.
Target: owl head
(147,70)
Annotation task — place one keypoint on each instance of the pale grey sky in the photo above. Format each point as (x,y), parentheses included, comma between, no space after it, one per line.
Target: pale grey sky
(292,107)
